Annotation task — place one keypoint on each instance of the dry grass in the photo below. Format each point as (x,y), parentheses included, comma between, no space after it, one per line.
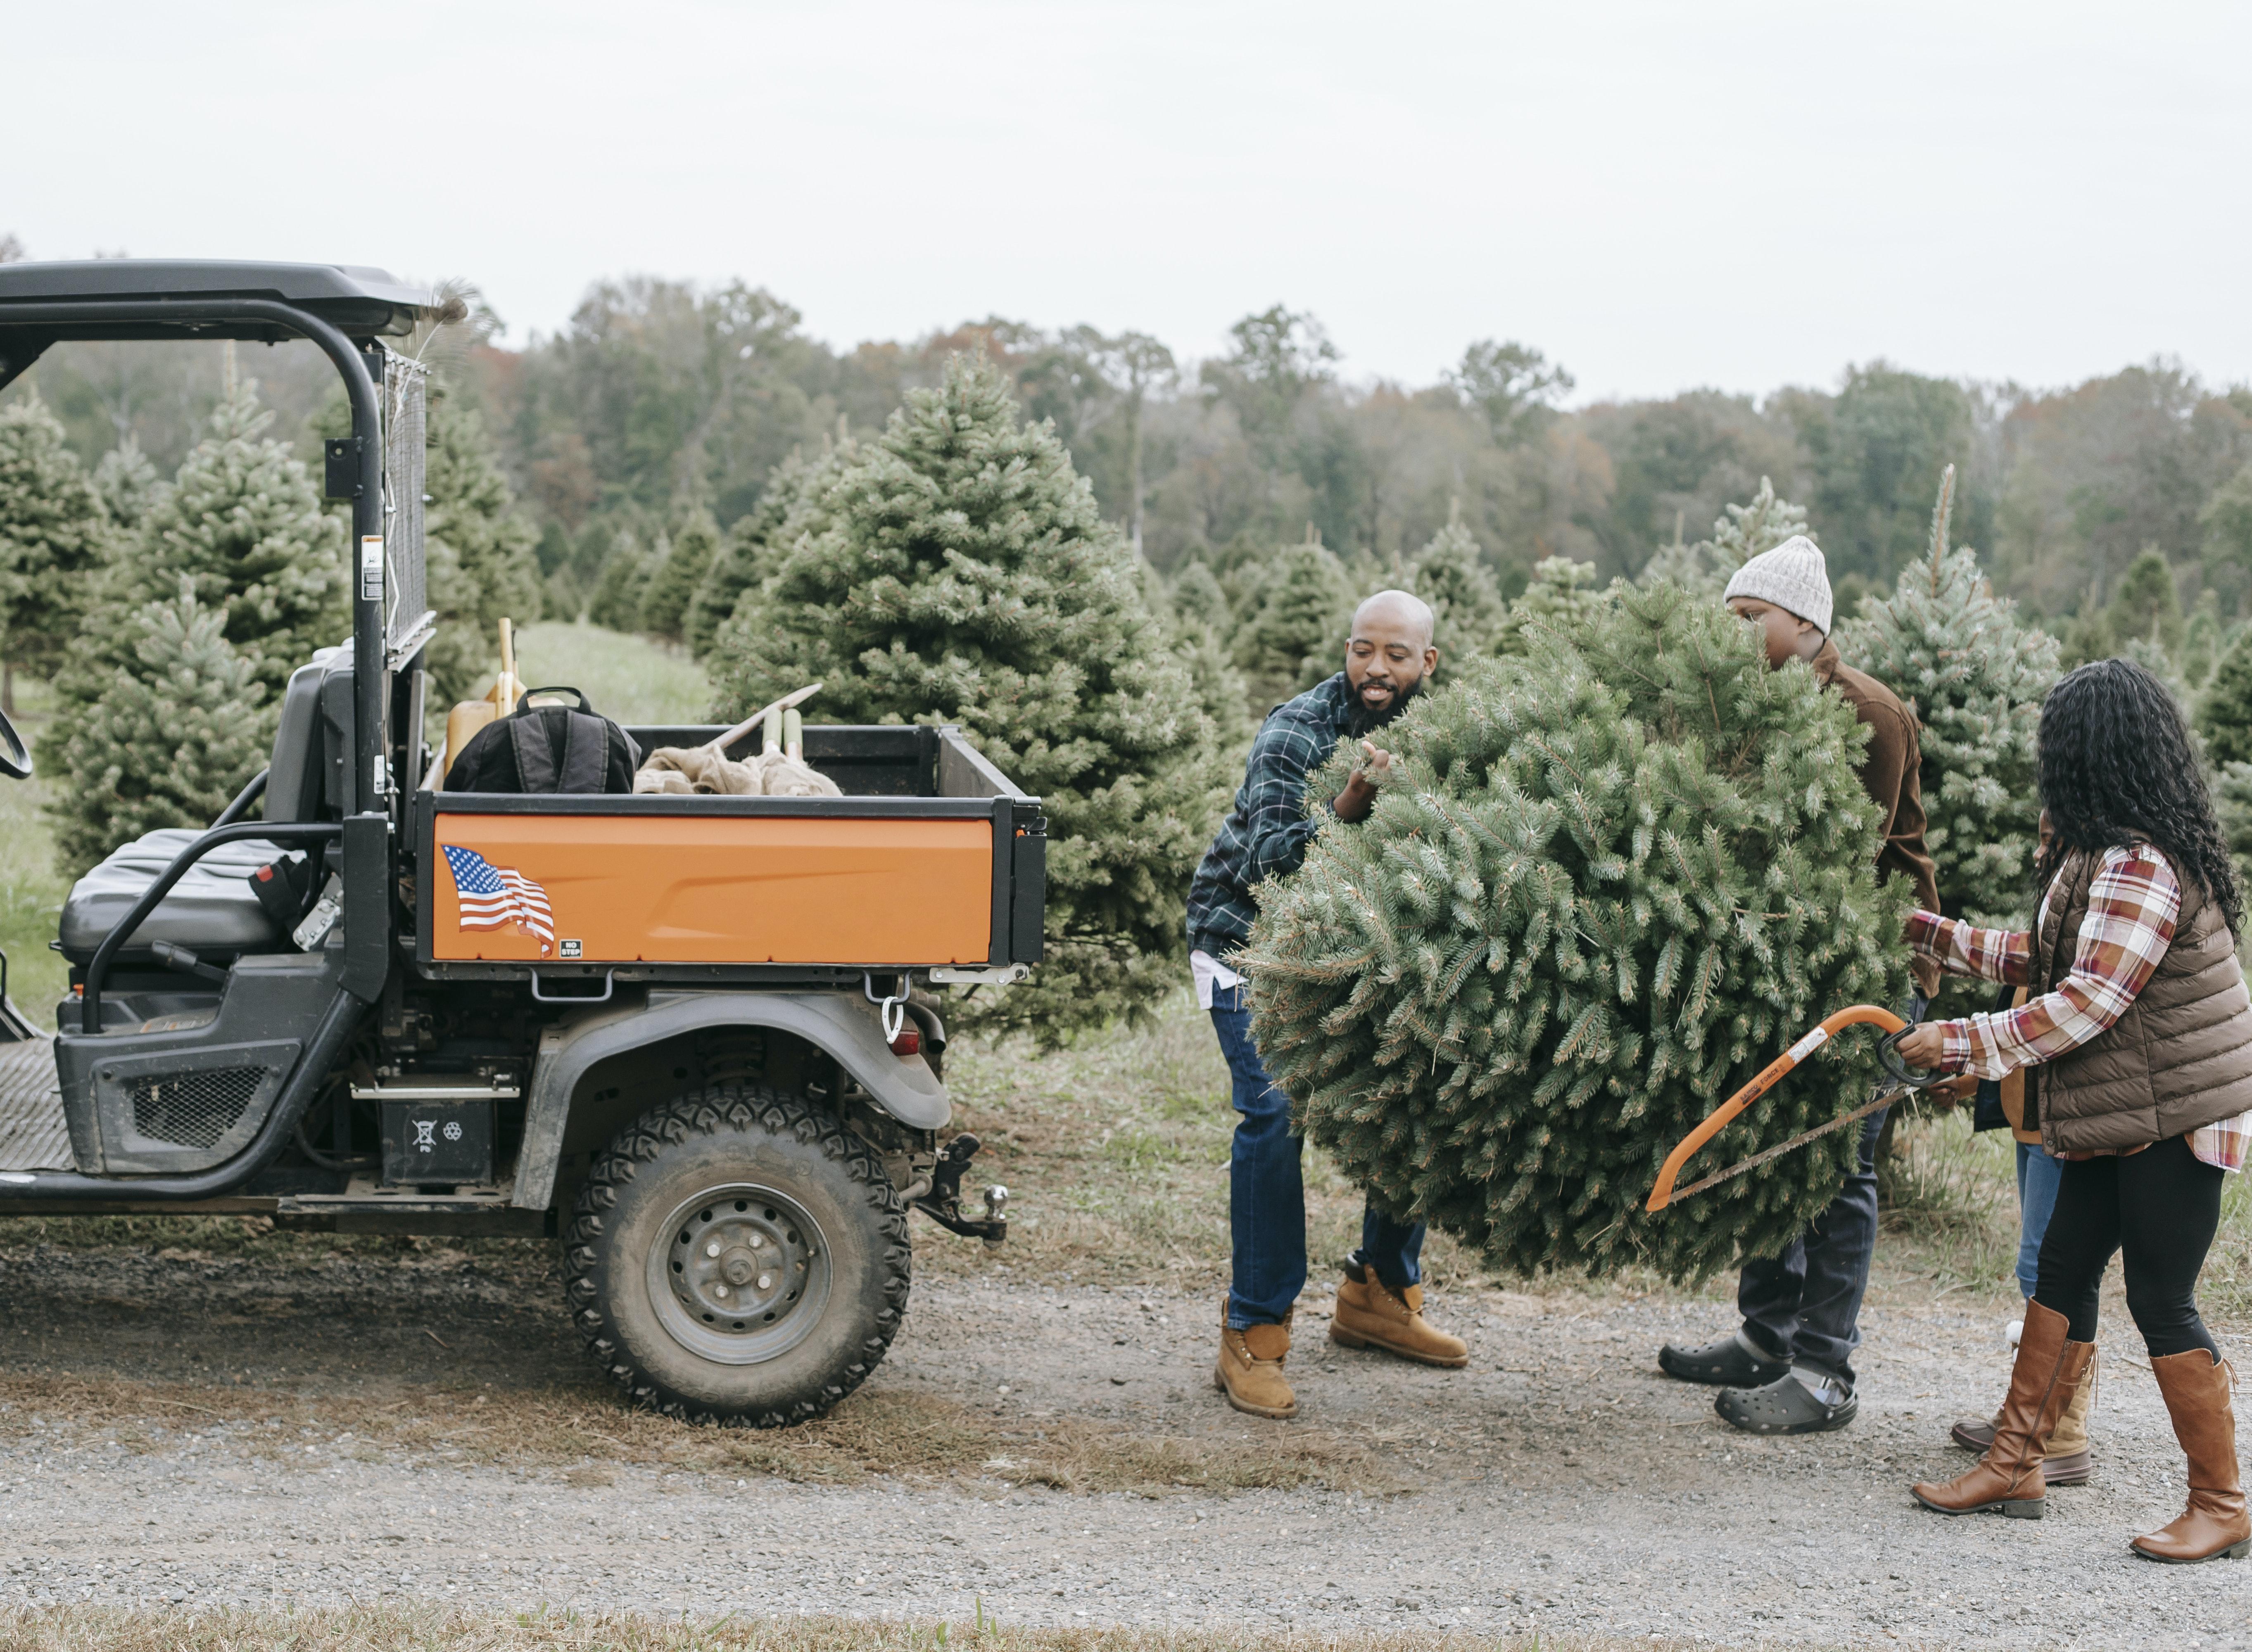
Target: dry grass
(583,1437)
(1114,1151)
(374,1629)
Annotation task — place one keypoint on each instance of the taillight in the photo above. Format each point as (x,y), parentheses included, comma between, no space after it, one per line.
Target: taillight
(909,1041)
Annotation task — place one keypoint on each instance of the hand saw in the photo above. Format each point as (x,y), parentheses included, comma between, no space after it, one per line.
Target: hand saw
(1904,1079)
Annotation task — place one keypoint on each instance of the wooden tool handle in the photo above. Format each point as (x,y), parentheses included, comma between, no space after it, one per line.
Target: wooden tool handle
(756,718)
(1661,1195)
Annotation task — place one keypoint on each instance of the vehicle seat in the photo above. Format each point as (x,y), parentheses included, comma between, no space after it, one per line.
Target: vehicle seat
(212,909)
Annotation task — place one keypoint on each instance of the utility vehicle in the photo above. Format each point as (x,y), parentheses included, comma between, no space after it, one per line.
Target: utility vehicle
(682,1035)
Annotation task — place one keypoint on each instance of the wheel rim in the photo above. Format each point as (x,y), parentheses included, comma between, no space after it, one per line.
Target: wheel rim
(740,1273)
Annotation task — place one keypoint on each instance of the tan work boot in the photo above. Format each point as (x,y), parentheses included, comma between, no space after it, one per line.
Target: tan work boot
(1250,1369)
(2070,1459)
(1369,1315)
(2008,1479)
(2215,1524)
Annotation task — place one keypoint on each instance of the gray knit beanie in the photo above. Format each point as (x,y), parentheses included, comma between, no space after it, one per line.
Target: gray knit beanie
(1792,577)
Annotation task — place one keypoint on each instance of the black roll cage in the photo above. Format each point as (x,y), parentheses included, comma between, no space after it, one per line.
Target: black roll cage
(113,299)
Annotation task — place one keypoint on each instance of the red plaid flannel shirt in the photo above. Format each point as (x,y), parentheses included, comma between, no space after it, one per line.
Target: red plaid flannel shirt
(2132,904)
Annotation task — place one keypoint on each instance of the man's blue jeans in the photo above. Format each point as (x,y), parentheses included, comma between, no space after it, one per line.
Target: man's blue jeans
(1267,1190)
(1804,1306)
(2038,1176)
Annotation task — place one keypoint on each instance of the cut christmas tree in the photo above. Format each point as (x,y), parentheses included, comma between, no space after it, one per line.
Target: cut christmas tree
(1623,874)
(1976,675)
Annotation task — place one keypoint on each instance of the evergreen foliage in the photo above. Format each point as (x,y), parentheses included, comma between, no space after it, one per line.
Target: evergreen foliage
(1975,676)
(1560,597)
(480,550)
(2204,637)
(54,533)
(2224,713)
(243,521)
(1197,612)
(679,575)
(1738,536)
(173,734)
(1451,573)
(1296,634)
(963,574)
(792,492)
(2147,604)
(616,602)
(1621,876)
(127,483)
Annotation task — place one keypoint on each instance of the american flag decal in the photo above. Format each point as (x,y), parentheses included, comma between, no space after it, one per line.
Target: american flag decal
(493,897)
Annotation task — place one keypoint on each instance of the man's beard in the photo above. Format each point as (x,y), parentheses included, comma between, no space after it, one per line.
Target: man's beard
(1361,722)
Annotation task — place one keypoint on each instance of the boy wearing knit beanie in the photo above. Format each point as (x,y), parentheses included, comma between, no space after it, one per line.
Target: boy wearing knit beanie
(1789,1370)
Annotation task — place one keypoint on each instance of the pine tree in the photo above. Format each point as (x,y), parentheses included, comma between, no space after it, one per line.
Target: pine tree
(784,513)
(1450,574)
(2148,604)
(128,484)
(472,509)
(1620,876)
(1197,612)
(1740,533)
(1977,674)
(2205,638)
(243,521)
(55,532)
(1295,636)
(676,579)
(2224,712)
(480,558)
(1561,597)
(616,602)
(965,575)
(173,734)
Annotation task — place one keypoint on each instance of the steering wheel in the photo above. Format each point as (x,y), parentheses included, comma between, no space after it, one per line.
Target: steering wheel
(15,756)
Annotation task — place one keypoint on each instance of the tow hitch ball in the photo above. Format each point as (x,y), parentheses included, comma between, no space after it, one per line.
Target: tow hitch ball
(944,1202)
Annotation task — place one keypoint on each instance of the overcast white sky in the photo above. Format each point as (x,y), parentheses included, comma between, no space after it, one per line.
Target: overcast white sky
(1660,196)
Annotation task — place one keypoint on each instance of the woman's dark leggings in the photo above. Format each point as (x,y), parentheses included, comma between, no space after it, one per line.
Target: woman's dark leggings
(2161,1207)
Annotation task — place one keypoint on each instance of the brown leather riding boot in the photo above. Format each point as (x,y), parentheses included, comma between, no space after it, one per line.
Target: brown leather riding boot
(2215,1525)
(2049,1370)
(2070,1459)
(1369,1315)
(1250,1369)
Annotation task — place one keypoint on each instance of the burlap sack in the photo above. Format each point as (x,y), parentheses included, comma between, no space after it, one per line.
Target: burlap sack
(699,770)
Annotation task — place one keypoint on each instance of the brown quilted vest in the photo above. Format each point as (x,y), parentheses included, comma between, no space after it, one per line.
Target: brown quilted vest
(2180,1058)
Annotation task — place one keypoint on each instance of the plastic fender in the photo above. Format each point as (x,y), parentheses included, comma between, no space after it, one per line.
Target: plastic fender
(835,1023)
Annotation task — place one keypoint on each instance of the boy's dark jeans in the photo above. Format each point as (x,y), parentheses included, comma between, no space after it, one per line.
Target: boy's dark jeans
(1804,1306)
(1267,1192)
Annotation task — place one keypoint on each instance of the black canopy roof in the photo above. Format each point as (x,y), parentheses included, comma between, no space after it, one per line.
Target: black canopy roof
(189,298)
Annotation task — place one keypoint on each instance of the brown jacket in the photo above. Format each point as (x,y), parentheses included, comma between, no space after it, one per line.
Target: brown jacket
(1890,775)
(2180,1058)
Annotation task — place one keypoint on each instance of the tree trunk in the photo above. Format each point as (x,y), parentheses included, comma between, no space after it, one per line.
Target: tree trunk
(8,688)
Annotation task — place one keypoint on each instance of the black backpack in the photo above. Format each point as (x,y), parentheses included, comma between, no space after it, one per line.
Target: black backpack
(547,749)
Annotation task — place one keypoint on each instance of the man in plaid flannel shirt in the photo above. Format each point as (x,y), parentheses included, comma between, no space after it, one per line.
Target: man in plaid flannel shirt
(1379,1305)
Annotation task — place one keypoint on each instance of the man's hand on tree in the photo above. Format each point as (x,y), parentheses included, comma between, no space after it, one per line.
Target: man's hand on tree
(1359,793)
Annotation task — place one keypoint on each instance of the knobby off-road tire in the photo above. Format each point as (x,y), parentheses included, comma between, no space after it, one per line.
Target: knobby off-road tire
(737,1257)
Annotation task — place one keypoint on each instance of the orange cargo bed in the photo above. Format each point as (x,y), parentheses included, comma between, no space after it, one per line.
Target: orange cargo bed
(933,858)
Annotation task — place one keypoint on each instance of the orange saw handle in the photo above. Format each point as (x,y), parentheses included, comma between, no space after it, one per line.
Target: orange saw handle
(1661,1195)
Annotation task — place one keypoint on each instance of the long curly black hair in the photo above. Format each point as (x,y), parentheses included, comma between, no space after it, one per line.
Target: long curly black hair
(2117,766)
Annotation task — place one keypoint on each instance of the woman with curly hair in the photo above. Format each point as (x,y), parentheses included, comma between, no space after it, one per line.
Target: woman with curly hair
(2136,1016)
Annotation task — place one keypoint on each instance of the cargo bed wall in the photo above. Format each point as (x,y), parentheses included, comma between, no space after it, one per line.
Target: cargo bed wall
(943,866)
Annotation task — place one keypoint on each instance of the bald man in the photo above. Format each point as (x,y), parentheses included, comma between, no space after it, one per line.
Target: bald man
(1379,1305)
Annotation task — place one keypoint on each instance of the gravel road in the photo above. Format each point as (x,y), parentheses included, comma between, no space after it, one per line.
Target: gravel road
(1560,1484)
